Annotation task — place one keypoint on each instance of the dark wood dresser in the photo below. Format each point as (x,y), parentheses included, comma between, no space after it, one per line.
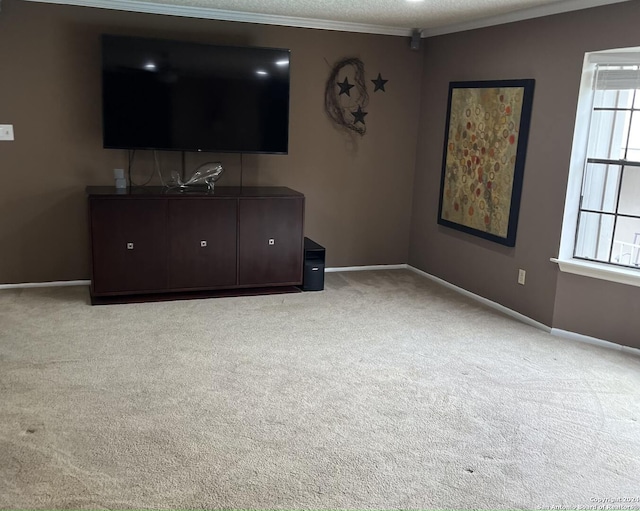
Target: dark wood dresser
(154,243)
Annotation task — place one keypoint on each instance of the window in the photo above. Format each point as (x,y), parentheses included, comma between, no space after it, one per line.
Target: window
(601,228)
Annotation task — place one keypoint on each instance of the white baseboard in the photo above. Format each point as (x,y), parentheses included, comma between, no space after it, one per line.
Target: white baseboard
(505,310)
(565,334)
(525,319)
(61,283)
(368,268)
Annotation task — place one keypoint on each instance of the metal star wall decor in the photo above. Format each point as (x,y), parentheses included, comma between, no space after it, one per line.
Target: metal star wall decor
(345,87)
(358,115)
(379,83)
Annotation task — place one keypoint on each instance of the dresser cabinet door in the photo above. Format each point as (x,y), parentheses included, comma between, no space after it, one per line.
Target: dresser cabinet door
(129,243)
(203,241)
(271,241)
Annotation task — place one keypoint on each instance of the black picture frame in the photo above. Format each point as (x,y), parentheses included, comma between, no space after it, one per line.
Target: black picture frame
(478,151)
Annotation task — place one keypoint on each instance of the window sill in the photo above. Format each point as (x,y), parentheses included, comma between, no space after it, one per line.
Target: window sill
(595,270)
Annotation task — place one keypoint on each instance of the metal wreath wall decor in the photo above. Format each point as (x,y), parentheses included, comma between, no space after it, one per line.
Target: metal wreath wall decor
(346,107)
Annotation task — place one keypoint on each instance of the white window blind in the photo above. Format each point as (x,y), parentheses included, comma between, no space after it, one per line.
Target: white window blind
(617,77)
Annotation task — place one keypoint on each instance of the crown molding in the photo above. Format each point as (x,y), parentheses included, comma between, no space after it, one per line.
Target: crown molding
(186,11)
(521,15)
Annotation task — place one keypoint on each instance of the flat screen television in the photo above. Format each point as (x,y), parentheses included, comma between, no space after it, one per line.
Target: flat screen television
(183,96)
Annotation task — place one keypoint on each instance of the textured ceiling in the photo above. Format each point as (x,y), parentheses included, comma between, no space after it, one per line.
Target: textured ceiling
(394,17)
(394,13)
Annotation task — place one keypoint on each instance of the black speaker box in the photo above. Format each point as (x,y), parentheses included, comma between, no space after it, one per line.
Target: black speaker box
(314,258)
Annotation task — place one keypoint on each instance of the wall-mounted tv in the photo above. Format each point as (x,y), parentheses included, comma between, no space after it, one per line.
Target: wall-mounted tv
(183,96)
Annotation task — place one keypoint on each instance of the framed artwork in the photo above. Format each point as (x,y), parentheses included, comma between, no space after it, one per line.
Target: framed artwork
(485,146)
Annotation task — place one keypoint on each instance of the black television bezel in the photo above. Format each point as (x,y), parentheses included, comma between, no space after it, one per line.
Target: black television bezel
(196,150)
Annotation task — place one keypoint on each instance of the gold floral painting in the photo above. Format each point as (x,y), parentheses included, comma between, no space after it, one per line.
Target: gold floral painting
(483,163)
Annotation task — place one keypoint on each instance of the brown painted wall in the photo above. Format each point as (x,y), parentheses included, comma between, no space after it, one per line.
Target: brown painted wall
(358,193)
(550,50)
(600,309)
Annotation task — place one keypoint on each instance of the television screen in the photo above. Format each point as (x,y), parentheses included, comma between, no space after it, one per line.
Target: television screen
(183,96)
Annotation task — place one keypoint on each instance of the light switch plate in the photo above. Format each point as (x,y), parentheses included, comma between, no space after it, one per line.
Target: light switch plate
(6,132)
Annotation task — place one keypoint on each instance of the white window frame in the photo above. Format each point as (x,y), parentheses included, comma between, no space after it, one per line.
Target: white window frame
(565,259)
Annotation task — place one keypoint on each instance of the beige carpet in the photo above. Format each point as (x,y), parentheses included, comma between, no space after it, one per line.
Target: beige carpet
(384,391)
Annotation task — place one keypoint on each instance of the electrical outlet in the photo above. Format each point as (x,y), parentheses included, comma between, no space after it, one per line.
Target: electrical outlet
(521,276)
(6,132)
